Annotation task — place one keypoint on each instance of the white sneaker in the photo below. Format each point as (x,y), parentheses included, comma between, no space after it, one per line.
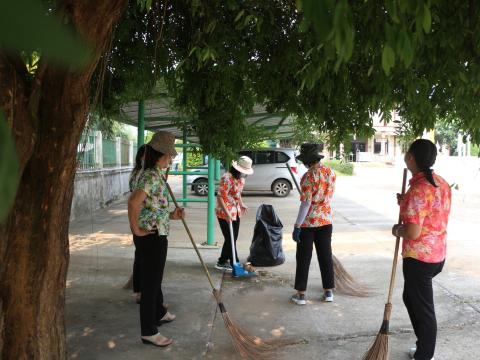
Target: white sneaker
(412,351)
(299,299)
(327,296)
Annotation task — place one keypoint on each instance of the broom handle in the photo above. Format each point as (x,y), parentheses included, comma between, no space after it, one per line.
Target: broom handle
(293,178)
(232,242)
(191,237)
(397,245)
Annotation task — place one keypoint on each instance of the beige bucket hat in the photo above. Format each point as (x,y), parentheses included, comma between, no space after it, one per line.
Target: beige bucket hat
(244,165)
(164,142)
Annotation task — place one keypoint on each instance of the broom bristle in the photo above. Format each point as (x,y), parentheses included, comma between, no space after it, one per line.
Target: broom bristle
(251,347)
(379,349)
(346,284)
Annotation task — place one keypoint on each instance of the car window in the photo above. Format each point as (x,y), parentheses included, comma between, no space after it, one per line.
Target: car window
(281,157)
(246,153)
(265,157)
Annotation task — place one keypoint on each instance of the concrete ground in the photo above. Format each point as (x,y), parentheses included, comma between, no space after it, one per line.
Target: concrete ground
(103,321)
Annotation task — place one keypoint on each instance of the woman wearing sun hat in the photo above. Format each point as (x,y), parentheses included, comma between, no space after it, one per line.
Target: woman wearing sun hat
(314,223)
(230,207)
(149,219)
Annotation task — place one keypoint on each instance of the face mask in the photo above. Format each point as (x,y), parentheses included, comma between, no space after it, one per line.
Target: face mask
(243,176)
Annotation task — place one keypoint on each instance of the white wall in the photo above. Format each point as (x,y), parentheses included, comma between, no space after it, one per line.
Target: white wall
(98,188)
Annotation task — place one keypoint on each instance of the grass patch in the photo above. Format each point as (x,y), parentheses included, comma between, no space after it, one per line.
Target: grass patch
(340,167)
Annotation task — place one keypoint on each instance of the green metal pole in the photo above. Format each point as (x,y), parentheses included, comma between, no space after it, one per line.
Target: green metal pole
(217,170)
(211,201)
(141,123)
(184,165)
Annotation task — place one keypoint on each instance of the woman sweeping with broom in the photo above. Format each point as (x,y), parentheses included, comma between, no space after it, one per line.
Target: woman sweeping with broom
(230,208)
(314,223)
(424,211)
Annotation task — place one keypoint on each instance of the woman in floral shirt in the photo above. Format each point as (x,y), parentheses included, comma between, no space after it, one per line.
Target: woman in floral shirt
(314,223)
(149,219)
(230,207)
(424,212)
(132,183)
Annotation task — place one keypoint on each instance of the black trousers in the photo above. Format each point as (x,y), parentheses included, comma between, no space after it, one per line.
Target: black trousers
(136,273)
(152,251)
(418,298)
(322,238)
(226,254)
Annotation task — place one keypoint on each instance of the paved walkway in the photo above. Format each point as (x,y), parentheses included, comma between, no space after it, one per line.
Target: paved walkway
(102,319)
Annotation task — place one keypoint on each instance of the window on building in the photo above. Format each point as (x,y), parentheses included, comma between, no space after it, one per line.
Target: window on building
(377,147)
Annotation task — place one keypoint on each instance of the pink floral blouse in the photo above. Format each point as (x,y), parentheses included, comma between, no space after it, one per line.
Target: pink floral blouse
(429,207)
(318,185)
(230,189)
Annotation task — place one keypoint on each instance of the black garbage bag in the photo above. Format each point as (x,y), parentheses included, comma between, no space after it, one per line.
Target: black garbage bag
(266,248)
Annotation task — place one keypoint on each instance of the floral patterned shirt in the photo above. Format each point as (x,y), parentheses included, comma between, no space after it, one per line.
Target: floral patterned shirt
(429,207)
(133,179)
(318,185)
(230,189)
(154,213)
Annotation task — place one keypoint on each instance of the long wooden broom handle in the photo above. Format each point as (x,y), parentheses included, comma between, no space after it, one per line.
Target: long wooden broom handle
(191,237)
(397,245)
(293,178)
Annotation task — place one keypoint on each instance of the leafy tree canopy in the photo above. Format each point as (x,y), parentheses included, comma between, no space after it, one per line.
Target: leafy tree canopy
(328,63)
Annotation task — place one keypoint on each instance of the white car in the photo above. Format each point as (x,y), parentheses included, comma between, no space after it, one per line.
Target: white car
(270,172)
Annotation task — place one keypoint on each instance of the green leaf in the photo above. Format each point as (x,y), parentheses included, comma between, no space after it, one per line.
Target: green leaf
(26,25)
(388,59)
(427,19)
(239,15)
(8,169)
(320,12)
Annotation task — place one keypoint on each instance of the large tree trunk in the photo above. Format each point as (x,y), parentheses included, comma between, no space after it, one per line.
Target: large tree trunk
(47,119)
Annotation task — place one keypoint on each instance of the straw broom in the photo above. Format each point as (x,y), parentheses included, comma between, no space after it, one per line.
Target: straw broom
(379,349)
(248,346)
(344,282)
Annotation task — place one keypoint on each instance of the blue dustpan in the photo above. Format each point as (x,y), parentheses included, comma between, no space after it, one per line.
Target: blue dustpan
(239,271)
(237,268)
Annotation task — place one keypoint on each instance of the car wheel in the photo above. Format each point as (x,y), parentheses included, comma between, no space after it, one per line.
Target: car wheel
(281,188)
(200,188)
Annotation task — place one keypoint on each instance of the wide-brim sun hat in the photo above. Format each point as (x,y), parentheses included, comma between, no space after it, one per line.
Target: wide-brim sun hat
(244,165)
(310,152)
(164,142)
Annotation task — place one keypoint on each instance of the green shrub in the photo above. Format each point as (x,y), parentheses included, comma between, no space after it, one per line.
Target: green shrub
(341,167)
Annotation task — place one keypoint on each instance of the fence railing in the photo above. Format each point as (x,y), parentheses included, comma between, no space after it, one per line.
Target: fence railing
(96,152)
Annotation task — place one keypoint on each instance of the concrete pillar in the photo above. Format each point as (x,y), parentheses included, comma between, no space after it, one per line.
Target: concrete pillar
(98,150)
(459,145)
(382,147)
(131,155)
(469,146)
(118,151)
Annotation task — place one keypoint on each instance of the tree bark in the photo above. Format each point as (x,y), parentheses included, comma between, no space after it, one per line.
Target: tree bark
(47,119)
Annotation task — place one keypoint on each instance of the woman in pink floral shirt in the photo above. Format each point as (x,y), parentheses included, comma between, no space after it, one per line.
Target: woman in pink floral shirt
(230,207)
(314,223)
(424,211)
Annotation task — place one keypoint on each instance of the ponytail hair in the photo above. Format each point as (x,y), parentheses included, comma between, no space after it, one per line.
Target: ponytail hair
(139,158)
(425,154)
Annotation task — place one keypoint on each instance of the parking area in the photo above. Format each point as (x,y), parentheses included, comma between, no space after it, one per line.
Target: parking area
(102,318)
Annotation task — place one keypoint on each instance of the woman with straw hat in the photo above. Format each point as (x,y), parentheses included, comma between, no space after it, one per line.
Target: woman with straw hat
(132,184)
(149,219)
(230,207)
(314,223)
(424,211)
